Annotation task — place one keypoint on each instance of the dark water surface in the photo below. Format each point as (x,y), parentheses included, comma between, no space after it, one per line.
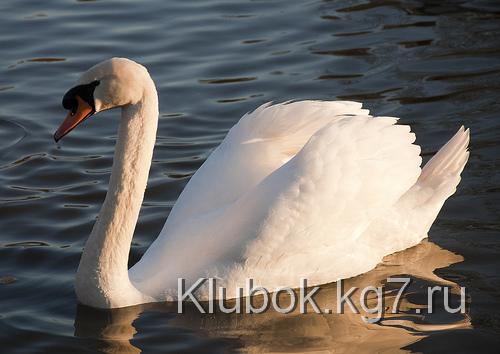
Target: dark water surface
(435,64)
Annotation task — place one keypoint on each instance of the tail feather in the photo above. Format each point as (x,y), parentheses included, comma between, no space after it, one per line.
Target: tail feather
(413,215)
(440,177)
(446,166)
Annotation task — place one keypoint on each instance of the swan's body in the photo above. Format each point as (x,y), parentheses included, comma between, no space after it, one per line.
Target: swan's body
(311,189)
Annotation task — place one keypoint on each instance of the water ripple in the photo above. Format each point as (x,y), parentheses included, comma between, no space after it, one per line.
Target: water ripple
(229,80)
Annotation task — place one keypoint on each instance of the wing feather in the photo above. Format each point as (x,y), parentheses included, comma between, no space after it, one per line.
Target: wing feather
(320,202)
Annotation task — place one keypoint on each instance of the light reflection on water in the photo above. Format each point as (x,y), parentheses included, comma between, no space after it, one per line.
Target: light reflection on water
(435,64)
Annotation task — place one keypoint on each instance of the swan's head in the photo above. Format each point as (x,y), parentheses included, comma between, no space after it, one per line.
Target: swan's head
(116,82)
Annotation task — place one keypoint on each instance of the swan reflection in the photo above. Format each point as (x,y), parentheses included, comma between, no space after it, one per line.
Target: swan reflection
(120,330)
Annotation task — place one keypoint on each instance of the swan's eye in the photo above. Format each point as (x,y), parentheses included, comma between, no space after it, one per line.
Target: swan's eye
(85,92)
(70,104)
(79,101)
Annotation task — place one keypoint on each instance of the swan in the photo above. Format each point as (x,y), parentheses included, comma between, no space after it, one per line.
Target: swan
(319,190)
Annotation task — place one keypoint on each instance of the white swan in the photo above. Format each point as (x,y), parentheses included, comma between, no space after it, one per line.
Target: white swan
(310,189)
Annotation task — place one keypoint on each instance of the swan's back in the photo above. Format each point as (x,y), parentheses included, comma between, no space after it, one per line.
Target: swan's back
(301,189)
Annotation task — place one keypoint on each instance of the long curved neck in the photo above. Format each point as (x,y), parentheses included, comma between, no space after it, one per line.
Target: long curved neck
(102,278)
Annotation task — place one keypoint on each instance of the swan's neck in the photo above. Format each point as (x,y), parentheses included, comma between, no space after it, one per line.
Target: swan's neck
(102,279)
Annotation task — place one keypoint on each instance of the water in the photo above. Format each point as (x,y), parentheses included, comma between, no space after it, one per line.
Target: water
(435,64)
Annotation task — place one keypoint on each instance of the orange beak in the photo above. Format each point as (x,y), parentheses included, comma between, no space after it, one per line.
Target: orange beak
(83,111)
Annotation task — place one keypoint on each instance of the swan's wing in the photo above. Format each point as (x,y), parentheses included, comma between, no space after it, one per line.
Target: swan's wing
(257,145)
(320,202)
(255,211)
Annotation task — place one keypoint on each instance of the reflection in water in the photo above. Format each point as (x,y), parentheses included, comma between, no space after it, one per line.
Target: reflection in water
(311,332)
(115,328)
